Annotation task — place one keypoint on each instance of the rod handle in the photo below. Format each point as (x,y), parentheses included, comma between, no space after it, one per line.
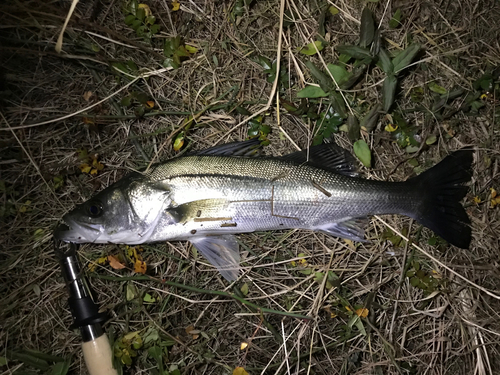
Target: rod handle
(97,354)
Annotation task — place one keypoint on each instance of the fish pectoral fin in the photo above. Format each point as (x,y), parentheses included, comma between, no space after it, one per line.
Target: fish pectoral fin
(352,229)
(222,252)
(328,156)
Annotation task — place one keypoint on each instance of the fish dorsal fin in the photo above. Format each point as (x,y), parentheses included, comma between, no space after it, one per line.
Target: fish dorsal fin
(352,229)
(248,148)
(222,252)
(327,156)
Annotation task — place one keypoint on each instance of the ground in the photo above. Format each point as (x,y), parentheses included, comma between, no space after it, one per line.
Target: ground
(128,89)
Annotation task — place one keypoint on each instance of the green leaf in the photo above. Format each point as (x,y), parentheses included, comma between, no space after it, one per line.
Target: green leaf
(414,281)
(396,19)
(367,31)
(324,81)
(318,277)
(265,62)
(61,368)
(354,51)
(339,73)
(412,149)
(140,14)
(155,29)
(353,127)
(131,292)
(485,82)
(333,10)
(311,92)
(310,49)
(148,298)
(405,57)
(244,289)
(129,19)
(359,325)
(389,91)
(362,151)
(385,61)
(338,104)
(433,86)
(431,140)
(369,122)
(150,20)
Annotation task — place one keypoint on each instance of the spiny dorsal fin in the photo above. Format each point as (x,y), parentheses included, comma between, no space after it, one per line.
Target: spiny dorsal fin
(248,148)
(326,156)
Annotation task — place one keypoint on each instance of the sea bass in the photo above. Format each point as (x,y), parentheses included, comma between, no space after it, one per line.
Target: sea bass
(208,197)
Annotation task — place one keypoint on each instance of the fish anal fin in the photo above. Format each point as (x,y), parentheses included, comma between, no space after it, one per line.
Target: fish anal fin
(222,252)
(352,229)
(326,156)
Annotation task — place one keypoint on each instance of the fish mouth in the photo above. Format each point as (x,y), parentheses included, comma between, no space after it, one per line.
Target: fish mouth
(70,231)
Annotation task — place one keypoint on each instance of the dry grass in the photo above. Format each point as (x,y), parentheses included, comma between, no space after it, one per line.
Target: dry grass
(455,330)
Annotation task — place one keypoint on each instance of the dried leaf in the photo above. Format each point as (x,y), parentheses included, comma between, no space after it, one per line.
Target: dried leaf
(146,8)
(175,5)
(243,345)
(239,371)
(140,266)
(363,313)
(85,168)
(150,104)
(87,95)
(115,263)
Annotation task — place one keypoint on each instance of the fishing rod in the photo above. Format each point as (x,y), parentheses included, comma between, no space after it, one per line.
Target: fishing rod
(86,316)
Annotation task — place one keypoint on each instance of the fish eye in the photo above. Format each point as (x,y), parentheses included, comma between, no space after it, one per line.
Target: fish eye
(94,208)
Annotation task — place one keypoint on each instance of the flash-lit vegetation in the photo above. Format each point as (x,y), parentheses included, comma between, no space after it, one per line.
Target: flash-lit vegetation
(399,84)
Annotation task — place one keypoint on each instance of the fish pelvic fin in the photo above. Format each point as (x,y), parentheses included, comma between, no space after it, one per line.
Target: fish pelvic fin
(443,187)
(222,252)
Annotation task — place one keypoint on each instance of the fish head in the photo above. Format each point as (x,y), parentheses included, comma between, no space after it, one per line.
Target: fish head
(125,212)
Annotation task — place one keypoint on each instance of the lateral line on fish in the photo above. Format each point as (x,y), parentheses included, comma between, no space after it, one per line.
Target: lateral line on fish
(272,208)
(281,175)
(321,188)
(201,219)
(251,200)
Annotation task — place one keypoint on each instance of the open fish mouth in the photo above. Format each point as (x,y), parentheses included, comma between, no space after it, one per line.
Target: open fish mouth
(77,232)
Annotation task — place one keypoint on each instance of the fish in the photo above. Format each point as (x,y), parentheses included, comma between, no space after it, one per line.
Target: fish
(210,196)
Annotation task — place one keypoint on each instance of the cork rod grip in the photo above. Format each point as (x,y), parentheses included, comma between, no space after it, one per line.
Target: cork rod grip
(98,355)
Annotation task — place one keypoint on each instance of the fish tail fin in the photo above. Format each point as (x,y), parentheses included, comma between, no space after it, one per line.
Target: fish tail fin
(442,188)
